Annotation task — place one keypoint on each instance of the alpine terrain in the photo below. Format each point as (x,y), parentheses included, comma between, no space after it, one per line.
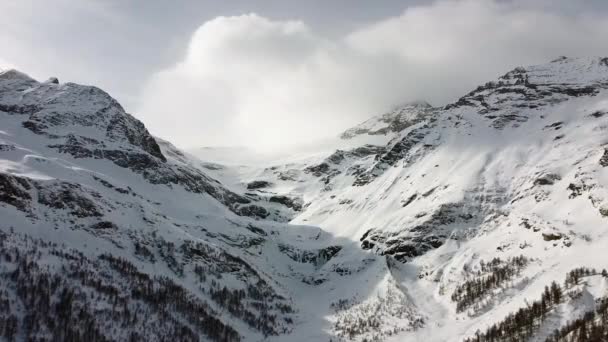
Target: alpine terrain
(483,220)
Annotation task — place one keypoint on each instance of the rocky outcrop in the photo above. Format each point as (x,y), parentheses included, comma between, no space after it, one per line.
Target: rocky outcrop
(295,204)
(411,242)
(503,102)
(392,122)
(14,191)
(332,166)
(408,149)
(604,158)
(316,257)
(547,179)
(258,184)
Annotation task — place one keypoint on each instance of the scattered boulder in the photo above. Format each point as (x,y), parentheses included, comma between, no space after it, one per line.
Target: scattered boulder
(551,236)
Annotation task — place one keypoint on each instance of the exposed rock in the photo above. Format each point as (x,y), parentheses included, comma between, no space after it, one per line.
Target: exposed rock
(256,230)
(402,150)
(522,89)
(329,168)
(575,190)
(258,184)
(14,191)
(6,147)
(550,236)
(392,122)
(555,126)
(252,210)
(68,196)
(547,179)
(416,241)
(317,257)
(295,204)
(604,158)
(104,225)
(409,200)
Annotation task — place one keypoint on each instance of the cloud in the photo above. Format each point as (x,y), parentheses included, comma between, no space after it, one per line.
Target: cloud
(4,65)
(248,80)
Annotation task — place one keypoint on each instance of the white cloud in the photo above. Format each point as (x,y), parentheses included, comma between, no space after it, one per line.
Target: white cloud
(4,65)
(248,80)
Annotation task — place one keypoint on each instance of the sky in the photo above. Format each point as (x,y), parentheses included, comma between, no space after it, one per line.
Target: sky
(267,74)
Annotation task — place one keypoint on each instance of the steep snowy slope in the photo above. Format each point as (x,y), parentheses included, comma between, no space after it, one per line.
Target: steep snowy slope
(514,168)
(108,235)
(425,223)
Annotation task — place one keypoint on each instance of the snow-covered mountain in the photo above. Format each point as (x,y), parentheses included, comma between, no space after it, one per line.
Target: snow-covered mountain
(395,121)
(481,220)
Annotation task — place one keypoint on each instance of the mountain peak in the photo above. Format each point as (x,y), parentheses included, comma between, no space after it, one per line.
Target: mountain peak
(13,74)
(394,121)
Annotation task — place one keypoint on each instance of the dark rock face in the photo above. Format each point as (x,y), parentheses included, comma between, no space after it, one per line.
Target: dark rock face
(317,257)
(136,133)
(294,204)
(551,236)
(409,200)
(68,196)
(547,179)
(319,169)
(155,171)
(14,191)
(252,211)
(402,150)
(329,168)
(575,190)
(416,241)
(6,147)
(18,109)
(604,158)
(258,185)
(104,225)
(516,88)
(50,108)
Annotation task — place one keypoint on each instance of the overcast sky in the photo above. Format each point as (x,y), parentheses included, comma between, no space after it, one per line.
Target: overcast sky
(269,73)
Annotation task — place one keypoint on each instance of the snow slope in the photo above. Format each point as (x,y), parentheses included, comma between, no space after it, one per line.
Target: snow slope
(515,167)
(375,239)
